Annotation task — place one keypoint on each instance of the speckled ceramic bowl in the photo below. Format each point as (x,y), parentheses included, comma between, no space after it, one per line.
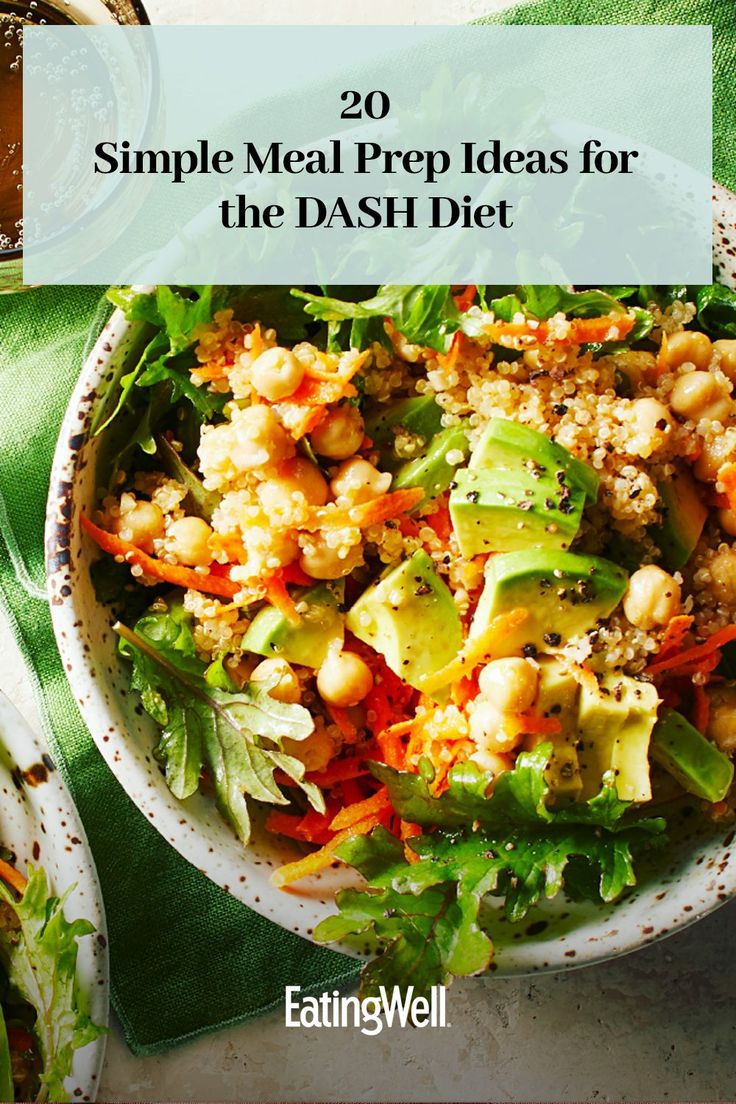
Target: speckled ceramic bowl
(695,877)
(39,824)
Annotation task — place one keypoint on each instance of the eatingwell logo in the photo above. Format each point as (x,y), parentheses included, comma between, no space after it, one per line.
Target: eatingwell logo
(370,1014)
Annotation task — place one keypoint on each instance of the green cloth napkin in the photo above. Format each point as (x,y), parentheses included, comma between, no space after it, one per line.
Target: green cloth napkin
(186,958)
(720,14)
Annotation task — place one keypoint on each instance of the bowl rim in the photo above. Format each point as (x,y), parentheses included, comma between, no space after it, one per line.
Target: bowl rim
(169,816)
(51,807)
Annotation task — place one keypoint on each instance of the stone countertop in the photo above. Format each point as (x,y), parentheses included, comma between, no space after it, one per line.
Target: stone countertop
(658,1024)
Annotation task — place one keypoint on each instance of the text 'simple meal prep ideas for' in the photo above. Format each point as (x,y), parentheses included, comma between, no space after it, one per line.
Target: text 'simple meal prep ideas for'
(390,542)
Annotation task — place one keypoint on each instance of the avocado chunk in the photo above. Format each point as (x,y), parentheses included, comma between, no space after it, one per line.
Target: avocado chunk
(433,471)
(410,618)
(558,697)
(615,722)
(697,764)
(322,625)
(420,415)
(510,511)
(565,594)
(507,444)
(685,515)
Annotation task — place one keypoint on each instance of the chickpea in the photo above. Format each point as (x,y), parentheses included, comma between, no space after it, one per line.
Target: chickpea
(276,374)
(723,574)
(651,423)
(358,481)
(188,540)
(344,679)
(301,483)
(652,598)
(339,434)
(510,685)
(687,347)
(286,688)
(321,561)
(713,456)
(487,729)
(139,523)
(304,476)
(726,349)
(258,438)
(727,521)
(491,761)
(722,720)
(699,395)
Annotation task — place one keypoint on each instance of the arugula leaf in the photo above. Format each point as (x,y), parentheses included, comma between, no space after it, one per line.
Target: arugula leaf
(199,501)
(41,960)
(426,314)
(717,310)
(544,300)
(167,355)
(426,914)
(7,1091)
(237,737)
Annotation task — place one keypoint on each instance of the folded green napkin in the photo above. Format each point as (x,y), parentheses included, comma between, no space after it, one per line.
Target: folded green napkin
(720,14)
(186,958)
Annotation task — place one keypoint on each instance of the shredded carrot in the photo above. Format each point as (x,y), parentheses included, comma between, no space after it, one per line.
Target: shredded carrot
(727,476)
(13,877)
(391,746)
(464,301)
(341,718)
(440,521)
(319,860)
(701,708)
(340,770)
(174,574)
(580,331)
(477,649)
(293,575)
(662,357)
(674,635)
(695,658)
(532,723)
(278,596)
(352,814)
(310,418)
(383,508)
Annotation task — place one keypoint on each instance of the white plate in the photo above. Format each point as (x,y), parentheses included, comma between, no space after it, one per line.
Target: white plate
(699,873)
(40,825)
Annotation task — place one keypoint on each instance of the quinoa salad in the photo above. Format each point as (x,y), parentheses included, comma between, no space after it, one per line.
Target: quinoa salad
(439,582)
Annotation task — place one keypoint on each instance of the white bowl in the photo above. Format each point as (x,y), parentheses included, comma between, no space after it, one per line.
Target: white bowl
(696,875)
(39,824)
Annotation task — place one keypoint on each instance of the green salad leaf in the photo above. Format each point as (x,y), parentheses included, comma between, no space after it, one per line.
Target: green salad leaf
(427,914)
(717,310)
(426,314)
(41,958)
(235,736)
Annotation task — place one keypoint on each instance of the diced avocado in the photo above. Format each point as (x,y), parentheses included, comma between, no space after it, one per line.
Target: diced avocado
(507,444)
(510,511)
(685,514)
(695,762)
(322,624)
(409,616)
(564,594)
(420,415)
(558,697)
(615,722)
(433,472)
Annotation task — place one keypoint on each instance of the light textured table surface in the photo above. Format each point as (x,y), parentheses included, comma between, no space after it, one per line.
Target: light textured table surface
(658,1025)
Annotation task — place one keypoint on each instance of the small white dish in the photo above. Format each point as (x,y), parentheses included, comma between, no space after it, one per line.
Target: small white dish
(40,825)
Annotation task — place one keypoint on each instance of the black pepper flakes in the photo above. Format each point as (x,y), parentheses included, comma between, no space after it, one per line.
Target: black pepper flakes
(553,639)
